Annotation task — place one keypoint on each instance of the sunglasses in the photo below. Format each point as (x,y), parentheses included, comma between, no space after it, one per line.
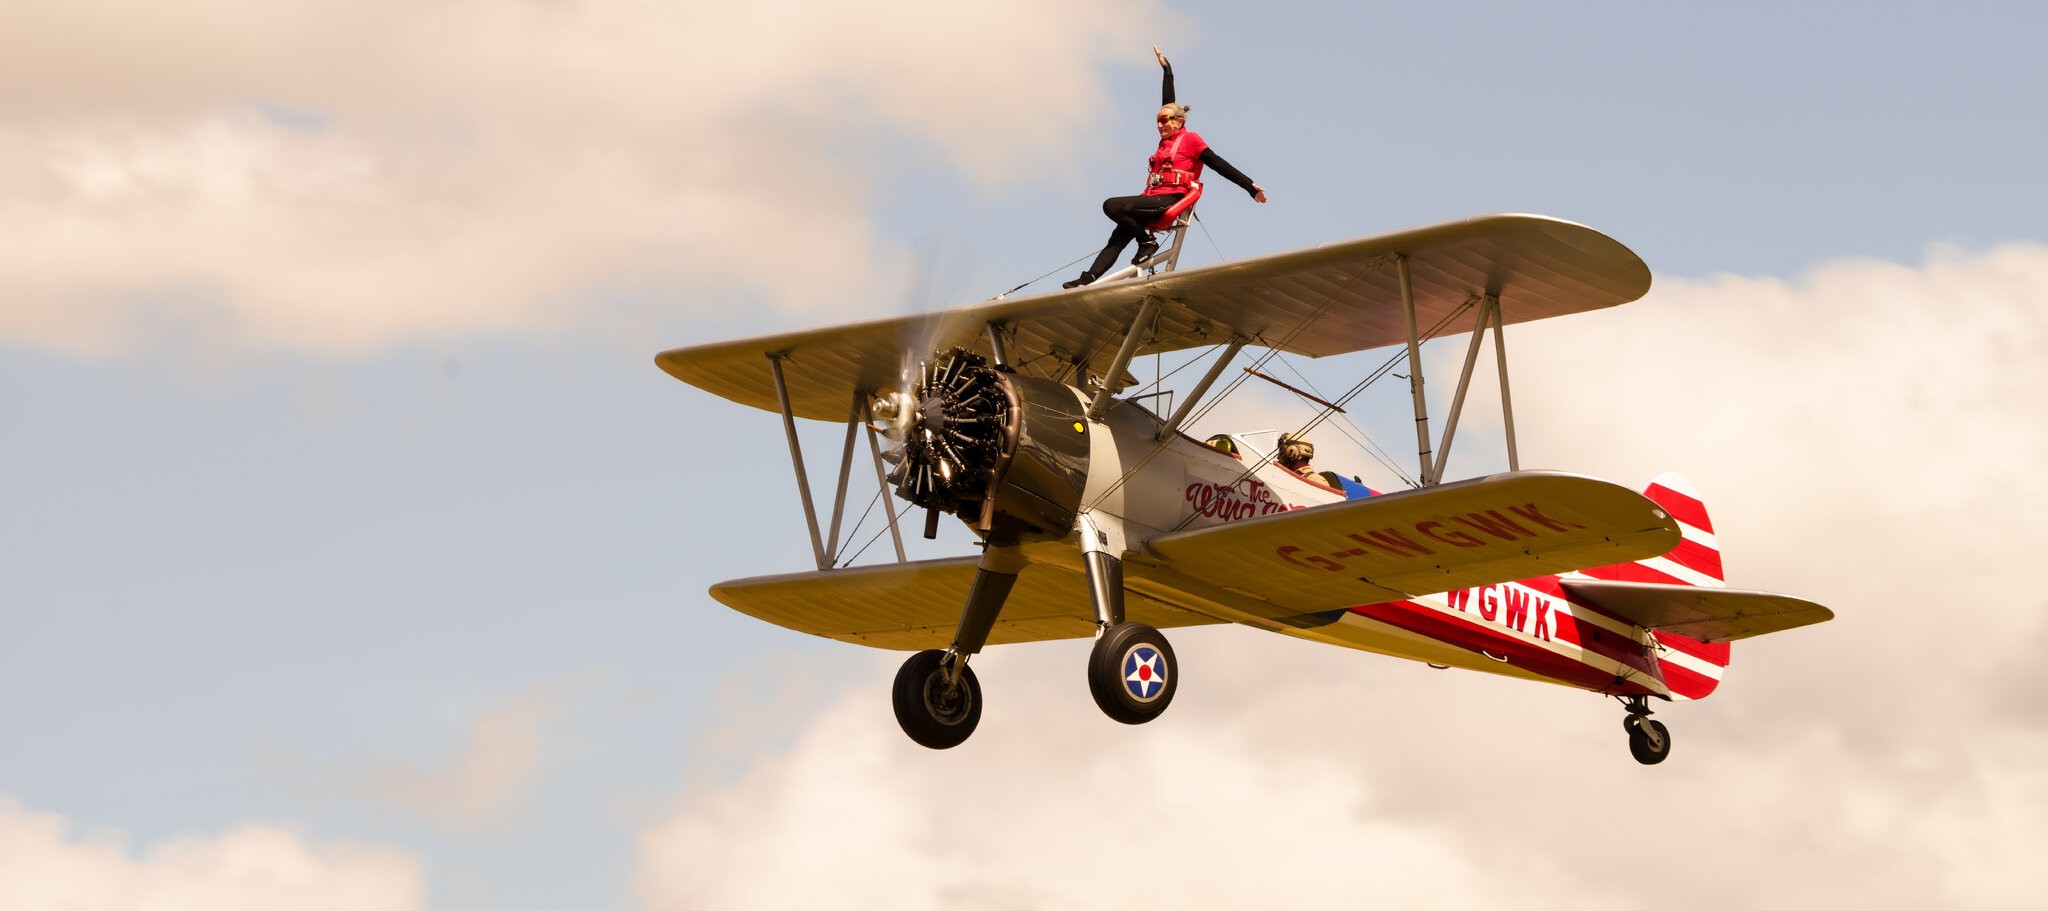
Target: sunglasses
(1170,119)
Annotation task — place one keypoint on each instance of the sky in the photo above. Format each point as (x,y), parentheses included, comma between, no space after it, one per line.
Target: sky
(354,554)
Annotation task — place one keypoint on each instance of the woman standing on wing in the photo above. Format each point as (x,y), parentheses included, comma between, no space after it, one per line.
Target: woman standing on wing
(1177,162)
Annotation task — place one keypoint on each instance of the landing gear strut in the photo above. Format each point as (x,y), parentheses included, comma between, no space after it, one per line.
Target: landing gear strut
(1648,741)
(1131,671)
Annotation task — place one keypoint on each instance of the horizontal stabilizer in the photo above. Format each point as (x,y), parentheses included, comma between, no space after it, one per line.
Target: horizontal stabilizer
(1706,614)
(917,605)
(1498,528)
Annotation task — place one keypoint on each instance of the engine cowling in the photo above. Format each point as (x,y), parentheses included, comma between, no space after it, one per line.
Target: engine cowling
(1006,453)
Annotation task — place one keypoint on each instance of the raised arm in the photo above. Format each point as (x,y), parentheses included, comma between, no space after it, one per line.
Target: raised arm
(1166,79)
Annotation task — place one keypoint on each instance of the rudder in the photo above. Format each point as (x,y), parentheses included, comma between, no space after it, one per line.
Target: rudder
(1691,668)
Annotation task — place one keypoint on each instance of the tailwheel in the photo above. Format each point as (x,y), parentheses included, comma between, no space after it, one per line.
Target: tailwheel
(1648,741)
(1132,673)
(932,707)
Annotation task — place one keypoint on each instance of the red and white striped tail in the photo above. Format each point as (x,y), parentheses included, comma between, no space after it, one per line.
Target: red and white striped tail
(1692,668)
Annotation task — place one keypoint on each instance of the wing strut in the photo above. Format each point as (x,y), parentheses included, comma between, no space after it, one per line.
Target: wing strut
(845,469)
(1507,403)
(1123,356)
(882,482)
(1490,317)
(825,548)
(1489,307)
(1429,477)
(1237,344)
(796,458)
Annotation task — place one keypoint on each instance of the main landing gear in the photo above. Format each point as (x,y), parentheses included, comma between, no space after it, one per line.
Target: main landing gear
(1131,671)
(1648,741)
(937,699)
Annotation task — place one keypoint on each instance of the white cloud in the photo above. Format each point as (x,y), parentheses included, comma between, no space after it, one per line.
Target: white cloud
(321,176)
(486,784)
(1868,436)
(47,862)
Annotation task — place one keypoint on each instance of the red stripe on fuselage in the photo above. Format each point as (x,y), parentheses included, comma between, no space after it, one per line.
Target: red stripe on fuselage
(1566,628)
(1497,644)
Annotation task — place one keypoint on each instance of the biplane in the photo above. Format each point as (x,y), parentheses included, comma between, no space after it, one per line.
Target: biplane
(1098,518)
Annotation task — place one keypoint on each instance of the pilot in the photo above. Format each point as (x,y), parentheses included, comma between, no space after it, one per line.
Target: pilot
(1295,453)
(1178,161)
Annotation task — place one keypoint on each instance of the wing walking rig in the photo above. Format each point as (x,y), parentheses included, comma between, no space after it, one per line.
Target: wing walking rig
(1099,518)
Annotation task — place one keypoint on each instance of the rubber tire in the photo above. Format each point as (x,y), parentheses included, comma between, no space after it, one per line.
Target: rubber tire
(1106,673)
(1639,742)
(923,713)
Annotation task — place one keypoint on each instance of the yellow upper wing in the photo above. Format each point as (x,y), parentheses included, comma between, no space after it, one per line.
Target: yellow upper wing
(1325,300)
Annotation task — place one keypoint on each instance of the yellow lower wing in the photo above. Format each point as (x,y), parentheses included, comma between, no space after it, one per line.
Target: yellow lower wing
(917,605)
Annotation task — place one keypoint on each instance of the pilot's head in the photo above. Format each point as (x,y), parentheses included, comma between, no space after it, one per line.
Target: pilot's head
(1295,451)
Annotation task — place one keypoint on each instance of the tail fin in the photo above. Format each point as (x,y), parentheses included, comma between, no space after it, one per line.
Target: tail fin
(1691,668)
(1697,558)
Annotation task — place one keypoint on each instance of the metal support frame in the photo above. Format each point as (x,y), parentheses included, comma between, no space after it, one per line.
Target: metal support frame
(845,471)
(1170,255)
(1180,233)
(1429,478)
(888,508)
(994,576)
(796,458)
(1489,309)
(1132,338)
(1237,344)
(825,548)
(997,347)
(1507,404)
(1490,317)
(1101,555)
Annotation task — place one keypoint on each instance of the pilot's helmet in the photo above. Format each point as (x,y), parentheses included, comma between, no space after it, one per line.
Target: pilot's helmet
(1295,450)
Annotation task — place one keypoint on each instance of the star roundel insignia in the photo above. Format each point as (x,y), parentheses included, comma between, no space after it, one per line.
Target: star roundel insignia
(1144,673)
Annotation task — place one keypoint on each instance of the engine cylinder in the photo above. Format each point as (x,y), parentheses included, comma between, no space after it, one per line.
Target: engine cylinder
(1008,454)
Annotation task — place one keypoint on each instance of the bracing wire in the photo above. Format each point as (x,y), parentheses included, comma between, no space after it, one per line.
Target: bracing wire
(857,523)
(1254,466)
(897,520)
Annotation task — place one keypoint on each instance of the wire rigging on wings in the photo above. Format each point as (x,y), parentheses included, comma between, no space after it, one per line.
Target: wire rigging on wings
(1069,264)
(877,536)
(1270,350)
(1253,465)
(1374,377)
(1538,575)
(863,520)
(1350,428)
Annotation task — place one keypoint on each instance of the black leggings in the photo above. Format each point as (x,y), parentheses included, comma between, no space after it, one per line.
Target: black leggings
(1132,214)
